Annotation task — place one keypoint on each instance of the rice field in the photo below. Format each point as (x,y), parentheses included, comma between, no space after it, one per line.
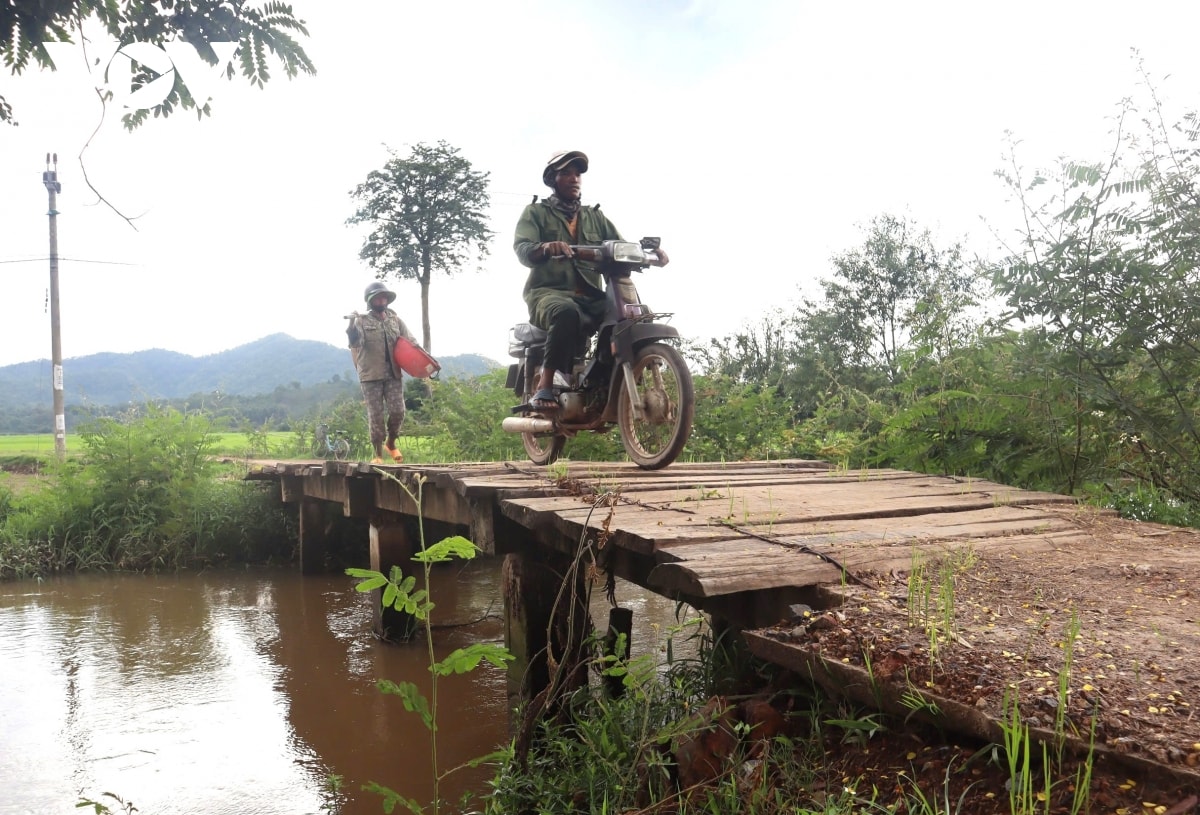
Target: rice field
(281,444)
(42,444)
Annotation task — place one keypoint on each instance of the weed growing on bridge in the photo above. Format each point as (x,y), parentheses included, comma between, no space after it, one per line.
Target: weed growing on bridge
(400,593)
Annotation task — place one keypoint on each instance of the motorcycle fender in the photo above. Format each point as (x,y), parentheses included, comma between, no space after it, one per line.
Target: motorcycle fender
(649,332)
(638,334)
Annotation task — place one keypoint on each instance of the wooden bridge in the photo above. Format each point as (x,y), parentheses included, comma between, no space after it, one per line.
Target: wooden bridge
(877,584)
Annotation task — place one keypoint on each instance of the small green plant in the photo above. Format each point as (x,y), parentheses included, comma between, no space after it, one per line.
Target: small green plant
(859,730)
(1070,637)
(1018,756)
(99,808)
(916,702)
(917,802)
(558,470)
(1081,798)
(401,594)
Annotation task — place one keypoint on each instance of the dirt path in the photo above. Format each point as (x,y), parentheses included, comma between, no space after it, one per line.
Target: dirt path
(1096,633)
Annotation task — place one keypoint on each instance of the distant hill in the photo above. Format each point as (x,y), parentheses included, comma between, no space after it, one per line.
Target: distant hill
(248,370)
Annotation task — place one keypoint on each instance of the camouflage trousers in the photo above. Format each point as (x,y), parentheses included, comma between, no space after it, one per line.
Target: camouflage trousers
(385,398)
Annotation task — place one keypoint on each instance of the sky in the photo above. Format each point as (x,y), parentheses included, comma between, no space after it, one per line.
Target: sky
(755,137)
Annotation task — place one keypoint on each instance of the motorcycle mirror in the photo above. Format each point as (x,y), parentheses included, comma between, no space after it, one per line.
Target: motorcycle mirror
(651,244)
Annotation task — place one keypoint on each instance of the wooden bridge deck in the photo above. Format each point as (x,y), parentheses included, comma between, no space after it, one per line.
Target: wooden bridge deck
(754,543)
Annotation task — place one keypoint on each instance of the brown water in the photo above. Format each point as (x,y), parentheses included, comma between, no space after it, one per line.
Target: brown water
(240,692)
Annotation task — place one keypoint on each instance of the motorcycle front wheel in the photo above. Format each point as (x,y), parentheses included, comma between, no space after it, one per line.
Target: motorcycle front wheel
(664,386)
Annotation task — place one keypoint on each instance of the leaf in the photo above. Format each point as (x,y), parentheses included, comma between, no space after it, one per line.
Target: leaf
(462,660)
(411,696)
(390,594)
(372,583)
(454,546)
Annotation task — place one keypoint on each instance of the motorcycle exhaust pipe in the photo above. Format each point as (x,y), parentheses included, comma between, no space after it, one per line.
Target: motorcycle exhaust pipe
(520,424)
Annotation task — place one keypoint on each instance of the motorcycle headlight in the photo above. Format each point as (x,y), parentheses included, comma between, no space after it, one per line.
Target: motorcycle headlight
(627,252)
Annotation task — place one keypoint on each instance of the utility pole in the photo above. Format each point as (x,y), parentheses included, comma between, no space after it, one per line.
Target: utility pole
(50,179)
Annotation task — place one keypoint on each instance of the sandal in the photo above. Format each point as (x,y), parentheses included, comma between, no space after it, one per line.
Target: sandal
(544,399)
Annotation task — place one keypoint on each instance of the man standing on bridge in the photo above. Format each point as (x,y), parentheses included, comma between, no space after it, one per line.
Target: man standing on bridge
(372,342)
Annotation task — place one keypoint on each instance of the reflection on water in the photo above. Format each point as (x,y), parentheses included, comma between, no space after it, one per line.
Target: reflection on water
(240,692)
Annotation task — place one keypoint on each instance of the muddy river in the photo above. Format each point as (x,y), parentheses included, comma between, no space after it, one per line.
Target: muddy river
(239,692)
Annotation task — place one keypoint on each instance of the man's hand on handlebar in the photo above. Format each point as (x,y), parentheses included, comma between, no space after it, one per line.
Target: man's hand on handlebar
(663,260)
(556,249)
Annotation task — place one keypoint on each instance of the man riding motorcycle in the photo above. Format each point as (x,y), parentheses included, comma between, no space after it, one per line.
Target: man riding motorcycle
(564,293)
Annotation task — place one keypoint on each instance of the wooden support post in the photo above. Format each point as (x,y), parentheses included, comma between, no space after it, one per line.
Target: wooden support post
(542,617)
(360,497)
(733,660)
(314,534)
(391,545)
(291,488)
(620,621)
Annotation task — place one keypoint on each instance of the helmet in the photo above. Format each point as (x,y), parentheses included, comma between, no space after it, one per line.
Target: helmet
(561,160)
(378,287)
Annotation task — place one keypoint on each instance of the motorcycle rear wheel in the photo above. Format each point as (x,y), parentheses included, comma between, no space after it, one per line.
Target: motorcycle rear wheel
(668,405)
(543,448)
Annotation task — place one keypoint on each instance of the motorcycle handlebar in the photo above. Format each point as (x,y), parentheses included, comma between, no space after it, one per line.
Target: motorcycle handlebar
(596,254)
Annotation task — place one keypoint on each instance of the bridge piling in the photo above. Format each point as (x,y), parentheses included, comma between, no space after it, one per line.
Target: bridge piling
(391,545)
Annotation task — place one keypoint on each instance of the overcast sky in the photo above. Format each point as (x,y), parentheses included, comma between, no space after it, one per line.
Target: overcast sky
(755,137)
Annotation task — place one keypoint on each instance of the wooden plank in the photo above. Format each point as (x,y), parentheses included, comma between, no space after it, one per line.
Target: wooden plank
(731,567)
(978,523)
(809,503)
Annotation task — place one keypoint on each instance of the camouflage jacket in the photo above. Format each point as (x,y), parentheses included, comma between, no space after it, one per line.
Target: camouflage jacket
(372,339)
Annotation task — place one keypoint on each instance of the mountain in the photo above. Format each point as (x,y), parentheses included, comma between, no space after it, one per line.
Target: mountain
(255,368)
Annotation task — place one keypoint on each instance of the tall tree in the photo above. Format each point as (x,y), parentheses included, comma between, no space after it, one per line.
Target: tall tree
(27,25)
(1107,269)
(892,291)
(427,213)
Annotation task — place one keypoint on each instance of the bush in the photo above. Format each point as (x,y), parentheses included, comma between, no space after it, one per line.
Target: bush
(145,495)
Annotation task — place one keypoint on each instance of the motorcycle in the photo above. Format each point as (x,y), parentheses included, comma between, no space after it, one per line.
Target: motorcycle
(629,376)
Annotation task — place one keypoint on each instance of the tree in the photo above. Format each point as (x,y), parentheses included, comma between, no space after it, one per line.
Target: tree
(426,213)
(893,290)
(26,26)
(1107,271)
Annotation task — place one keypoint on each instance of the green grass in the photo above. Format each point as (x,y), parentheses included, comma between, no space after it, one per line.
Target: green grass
(32,444)
(232,443)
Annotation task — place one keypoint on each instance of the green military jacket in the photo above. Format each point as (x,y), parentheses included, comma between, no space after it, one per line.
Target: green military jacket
(541,223)
(371,342)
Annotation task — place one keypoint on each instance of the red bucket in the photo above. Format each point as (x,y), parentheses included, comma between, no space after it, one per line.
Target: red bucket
(413,360)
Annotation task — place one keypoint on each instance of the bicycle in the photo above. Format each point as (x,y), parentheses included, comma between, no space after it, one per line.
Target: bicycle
(326,444)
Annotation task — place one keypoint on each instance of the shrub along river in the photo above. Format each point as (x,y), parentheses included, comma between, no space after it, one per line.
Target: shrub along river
(241,691)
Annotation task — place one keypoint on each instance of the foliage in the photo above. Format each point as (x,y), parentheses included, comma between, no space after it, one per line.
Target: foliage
(1106,273)
(400,593)
(146,495)
(467,419)
(465,415)
(258,30)
(896,290)
(740,421)
(427,212)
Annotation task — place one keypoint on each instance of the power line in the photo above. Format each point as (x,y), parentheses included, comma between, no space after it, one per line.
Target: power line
(72,260)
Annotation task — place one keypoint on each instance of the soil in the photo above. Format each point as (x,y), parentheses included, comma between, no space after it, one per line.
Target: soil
(1112,627)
